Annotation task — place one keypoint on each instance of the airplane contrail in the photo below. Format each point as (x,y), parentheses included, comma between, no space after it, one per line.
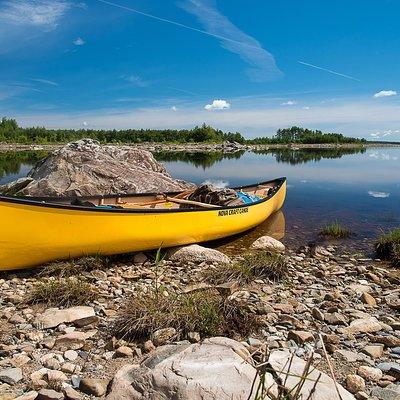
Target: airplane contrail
(176,23)
(160,19)
(328,70)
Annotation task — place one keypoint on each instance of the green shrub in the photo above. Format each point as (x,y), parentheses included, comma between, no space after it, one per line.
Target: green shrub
(205,311)
(257,265)
(387,246)
(62,292)
(74,267)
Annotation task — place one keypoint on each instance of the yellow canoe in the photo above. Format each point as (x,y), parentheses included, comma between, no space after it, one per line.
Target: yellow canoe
(34,231)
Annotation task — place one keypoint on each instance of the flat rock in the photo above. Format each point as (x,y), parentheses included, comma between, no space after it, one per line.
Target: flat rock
(197,254)
(268,243)
(391,392)
(72,340)
(53,317)
(325,388)
(215,369)
(370,373)
(11,375)
(374,350)
(49,394)
(363,325)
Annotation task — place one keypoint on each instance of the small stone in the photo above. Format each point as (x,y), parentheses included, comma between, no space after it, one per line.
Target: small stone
(268,243)
(366,298)
(140,258)
(32,395)
(49,394)
(391,392)
(163,336)
(194,337)
(11,375)
(335,318)
(284,307)
(374,350)
(348,355)
(301,337)
(124,351)
(71,355)
(148,346)
(361,396)
(387,340)
(50,363)
(53,317)
(226,289)
(317,314)
(68,367)
(95,387)
(71,394)
(389,367)
(370,373)
(363,325)
(56,376)
(355,383)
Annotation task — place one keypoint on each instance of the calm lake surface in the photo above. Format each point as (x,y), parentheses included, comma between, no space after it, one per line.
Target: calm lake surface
(359,188)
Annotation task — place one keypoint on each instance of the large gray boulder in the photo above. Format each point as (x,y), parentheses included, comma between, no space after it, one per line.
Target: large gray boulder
(216,369)
(85,168)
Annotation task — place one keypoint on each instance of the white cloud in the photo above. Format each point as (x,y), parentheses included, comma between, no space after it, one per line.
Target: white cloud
(385,93)
(85,124)
(378,195)
(289,103)
(45,81)
(262,63)
(136,80)
(39,13)
(173,108)
(218,105)
(306,108)
(79,42)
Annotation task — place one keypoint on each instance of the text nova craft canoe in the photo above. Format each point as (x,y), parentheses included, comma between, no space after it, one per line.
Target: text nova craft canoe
(37,230)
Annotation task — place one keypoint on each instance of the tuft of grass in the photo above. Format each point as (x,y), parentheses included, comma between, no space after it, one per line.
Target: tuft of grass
(259,265)
(387,246)
(335,230)
(62,292)
(74,267)
(206,312)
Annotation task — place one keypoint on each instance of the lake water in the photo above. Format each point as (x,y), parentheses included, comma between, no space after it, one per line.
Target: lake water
(359,188)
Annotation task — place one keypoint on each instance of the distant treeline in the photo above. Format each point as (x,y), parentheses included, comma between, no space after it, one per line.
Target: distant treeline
(10,132)
(299,135)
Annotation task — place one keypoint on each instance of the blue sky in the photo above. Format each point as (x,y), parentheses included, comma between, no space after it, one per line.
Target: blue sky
(241,66)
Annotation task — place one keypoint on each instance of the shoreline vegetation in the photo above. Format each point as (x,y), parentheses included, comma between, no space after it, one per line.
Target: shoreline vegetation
(203,138)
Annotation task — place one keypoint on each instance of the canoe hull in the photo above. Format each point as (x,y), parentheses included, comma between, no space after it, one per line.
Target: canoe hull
(34,234)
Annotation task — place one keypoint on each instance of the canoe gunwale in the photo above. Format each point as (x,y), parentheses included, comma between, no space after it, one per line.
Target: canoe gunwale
(46,201)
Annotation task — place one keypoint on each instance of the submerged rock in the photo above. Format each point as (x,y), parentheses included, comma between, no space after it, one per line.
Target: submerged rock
(85,168)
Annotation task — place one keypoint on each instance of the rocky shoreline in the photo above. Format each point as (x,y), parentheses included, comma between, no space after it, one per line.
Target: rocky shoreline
(341,309)
(202,147)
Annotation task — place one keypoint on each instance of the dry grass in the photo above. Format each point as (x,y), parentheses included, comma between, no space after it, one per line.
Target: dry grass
(335,230)
(62,292)
(259,265)
(206,312)
(62,269)
(387,247)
